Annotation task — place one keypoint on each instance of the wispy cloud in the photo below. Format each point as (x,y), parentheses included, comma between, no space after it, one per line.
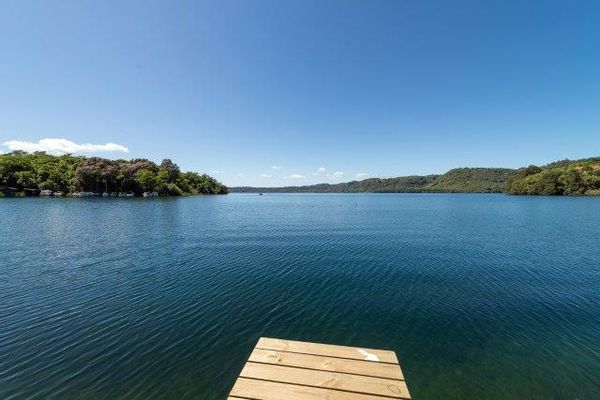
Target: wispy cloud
(294,176)
(276,167)
(266,176)
(63,146)
(217,171)
(362,175)
(320,171)
(240,174)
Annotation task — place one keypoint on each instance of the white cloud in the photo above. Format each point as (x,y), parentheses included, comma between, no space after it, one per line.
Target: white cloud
(217,171)
(276,167)
(266,176)
(335,175)
(294,176)
(320,171)
(240,174)
(62,146)
(362,175)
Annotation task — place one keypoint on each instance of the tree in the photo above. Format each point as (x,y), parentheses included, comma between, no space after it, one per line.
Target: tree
(68,173)
(572,182)
(25,179)
(516,183)
(171,169)
(162,182)
(146,179)
(546,183)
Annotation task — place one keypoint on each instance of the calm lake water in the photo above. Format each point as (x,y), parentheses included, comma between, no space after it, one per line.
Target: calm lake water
(481,296)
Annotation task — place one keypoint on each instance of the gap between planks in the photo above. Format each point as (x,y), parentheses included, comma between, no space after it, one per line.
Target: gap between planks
(284,369)
(328,380)
(329,350)
(267,390)
(331,364)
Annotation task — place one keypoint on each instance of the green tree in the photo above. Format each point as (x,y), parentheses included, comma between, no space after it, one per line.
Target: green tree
(146,179)
(572,182)
(68,173)
(162,182)
(171,169)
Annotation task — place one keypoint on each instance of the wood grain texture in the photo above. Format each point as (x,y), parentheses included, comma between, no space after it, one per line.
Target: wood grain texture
(327,380)
(265,390)
(284,369)
(329,350)
(308,361)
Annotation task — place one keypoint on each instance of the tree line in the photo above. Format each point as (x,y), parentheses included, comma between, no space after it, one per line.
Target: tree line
(458,180)
(566,177)
(68,173)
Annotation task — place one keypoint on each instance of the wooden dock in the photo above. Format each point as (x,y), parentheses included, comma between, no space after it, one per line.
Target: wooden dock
(284,369)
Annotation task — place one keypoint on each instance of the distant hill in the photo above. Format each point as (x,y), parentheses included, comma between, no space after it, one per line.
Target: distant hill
(565,177)
(459,180)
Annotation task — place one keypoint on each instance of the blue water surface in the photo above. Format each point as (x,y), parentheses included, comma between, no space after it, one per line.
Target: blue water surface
(481,296)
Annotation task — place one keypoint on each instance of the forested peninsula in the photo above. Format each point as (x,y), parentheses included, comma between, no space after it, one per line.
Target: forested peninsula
(24,173)
(566,177)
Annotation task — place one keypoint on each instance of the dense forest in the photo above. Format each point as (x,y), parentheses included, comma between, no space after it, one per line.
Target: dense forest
(566,177)
(459,180)
(22,172)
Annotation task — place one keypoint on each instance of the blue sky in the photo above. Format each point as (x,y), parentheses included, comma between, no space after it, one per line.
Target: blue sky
(236,88)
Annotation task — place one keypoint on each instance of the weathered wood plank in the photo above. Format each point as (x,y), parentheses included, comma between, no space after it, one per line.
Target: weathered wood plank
(367,368)
(265,390)
(329,350)
(327,380)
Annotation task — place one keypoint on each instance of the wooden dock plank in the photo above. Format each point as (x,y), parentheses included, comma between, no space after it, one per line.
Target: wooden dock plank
(284,369)
(326,380)
(367,368)
(266,390)
(327,350)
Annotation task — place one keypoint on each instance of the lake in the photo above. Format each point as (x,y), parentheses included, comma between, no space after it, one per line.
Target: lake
(481,296)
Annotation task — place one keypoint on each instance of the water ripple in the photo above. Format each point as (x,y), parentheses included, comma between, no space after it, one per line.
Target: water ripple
(481,296)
